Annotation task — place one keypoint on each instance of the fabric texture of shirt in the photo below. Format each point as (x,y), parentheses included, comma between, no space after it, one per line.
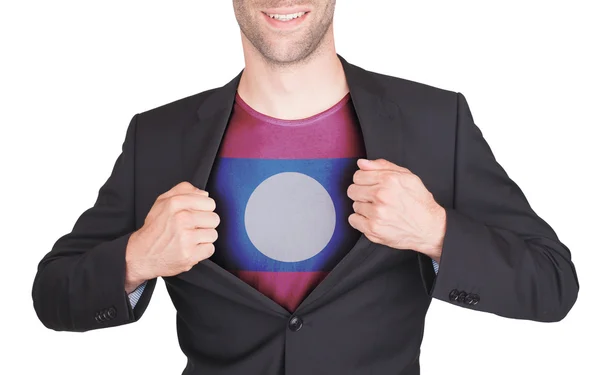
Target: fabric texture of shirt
(280,191)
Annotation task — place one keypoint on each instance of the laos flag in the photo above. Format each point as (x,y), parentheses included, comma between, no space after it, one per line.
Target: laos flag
(280,191)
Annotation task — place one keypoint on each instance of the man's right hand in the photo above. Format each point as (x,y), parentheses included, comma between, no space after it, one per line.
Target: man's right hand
(179,231)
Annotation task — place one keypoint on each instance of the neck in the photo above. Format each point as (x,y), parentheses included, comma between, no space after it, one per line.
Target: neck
(293,91)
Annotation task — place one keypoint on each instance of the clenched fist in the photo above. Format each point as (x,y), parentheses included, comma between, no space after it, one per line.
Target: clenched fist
(179,231)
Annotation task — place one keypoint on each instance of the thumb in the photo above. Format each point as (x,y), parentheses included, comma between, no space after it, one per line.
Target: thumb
(369,165)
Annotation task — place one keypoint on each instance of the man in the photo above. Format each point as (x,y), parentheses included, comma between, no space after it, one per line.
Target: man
(337,193)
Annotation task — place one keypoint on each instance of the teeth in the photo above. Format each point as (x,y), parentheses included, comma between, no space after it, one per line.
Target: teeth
(286,17)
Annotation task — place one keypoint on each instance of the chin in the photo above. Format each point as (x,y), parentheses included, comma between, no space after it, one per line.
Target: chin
(287,54)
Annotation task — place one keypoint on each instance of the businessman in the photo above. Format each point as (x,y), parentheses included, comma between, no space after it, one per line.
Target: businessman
(304,215)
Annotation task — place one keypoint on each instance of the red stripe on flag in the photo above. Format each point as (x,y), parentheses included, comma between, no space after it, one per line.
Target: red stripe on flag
(286,288)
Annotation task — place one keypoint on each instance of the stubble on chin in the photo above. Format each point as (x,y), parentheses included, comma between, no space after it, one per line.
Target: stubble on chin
(300,50)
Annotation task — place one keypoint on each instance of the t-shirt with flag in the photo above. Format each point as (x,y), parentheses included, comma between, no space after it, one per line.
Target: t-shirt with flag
(280,188)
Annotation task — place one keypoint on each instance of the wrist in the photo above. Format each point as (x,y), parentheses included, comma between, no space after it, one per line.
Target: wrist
(433,245)
(134,273)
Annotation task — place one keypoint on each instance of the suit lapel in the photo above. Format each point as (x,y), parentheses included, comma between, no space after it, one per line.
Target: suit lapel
(380,124)
(202,138)
(201,141)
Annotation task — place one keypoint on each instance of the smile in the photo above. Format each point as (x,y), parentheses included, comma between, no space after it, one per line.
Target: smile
(286,17)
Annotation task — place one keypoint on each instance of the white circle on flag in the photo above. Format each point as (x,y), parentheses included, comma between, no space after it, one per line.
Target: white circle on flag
(290,217)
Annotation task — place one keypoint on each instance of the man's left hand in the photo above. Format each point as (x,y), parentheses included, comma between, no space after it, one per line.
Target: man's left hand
(392,207)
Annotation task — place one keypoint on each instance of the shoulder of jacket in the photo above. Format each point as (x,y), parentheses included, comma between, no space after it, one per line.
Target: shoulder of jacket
(408,91)
(177,109)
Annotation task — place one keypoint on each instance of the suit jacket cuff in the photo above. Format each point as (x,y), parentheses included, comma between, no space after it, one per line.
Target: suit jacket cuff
(97,287)
(494,270)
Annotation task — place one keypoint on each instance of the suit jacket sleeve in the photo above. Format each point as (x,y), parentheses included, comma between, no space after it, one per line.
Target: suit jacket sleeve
(80,283)
(498,255)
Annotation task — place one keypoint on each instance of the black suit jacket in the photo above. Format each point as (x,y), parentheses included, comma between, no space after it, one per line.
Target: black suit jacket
(367,316)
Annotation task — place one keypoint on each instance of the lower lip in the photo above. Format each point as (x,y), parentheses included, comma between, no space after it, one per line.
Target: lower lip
(285,24)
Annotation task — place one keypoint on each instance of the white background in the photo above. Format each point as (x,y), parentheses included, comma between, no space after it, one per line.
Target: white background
(74,73)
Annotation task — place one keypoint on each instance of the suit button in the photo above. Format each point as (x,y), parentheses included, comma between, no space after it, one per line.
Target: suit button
(295,324)
(469,299)
(97,317)
(475,298)
(112,312)
(461,297)
(453,296)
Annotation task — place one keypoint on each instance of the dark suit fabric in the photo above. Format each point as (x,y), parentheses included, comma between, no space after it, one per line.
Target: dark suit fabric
(367,316)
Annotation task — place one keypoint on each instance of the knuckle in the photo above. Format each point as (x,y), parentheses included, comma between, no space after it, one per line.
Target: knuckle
(184,256)
(185,185)
(371,228)
(378,224)
(379,194)
(411,179)
(176,202)
(207,250)
(379,211)
(193,255)
(181,218)
(385,195)
(376,230)
(184,238)
(389,178)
